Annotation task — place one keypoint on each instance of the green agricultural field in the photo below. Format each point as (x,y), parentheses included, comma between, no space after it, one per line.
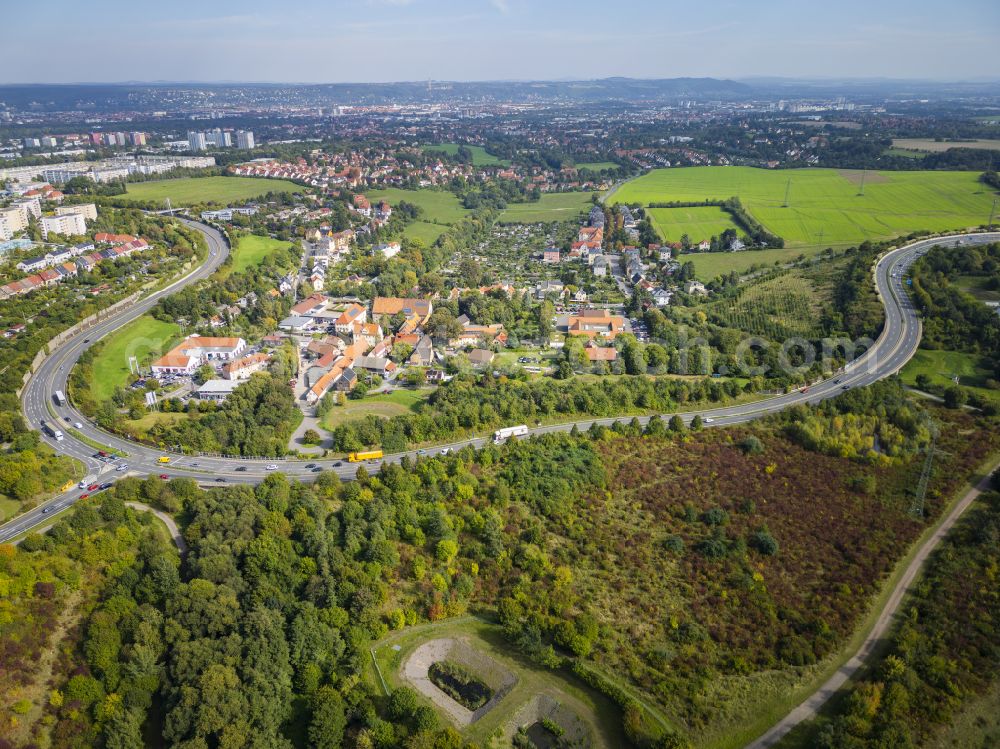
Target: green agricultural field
(698,223)
(825,205)
(194,190)
(251,249)
(598,166)
(936,146)
(386,405)
(438,205)
(555,206)
(480,156)
(145,338)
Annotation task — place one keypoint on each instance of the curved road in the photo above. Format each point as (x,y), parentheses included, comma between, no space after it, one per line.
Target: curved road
(896,344)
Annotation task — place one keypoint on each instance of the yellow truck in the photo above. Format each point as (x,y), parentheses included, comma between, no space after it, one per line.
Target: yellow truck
(364,455)
(67,486)
(163,459)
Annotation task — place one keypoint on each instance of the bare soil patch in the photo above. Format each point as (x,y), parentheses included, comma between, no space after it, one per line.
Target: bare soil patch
(493,675)
(854,176)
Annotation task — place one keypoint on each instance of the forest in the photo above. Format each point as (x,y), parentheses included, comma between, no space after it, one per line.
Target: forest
(259,635)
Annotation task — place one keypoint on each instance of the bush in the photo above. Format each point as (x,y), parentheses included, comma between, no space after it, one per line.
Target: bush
(751,445)
(764,542)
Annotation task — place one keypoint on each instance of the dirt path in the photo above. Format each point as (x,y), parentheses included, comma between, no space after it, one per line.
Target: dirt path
(808,709)
(168,521)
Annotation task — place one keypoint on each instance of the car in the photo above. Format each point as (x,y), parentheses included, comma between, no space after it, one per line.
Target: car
(241,469)
(220,480)
(271,467)
(69,419)
(164,476)
(709,420)
(338,464)
(837,381)
(194,464)
(310,465)
(317,469)
(122,467)
(46,510)
(86,340)
(421,451)
(82,485)
(845,387)
(84,496)
(77,425)
(92,487)
(103,453)
(105,485)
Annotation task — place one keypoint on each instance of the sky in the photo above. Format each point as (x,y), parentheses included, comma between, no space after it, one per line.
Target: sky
(328,41)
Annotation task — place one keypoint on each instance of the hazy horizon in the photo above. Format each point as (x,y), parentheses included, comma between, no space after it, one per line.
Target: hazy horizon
(389,41)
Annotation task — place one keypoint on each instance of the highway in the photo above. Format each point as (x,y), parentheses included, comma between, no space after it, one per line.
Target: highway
(897,342)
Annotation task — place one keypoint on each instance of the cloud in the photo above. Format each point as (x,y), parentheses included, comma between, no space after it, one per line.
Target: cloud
(502,5)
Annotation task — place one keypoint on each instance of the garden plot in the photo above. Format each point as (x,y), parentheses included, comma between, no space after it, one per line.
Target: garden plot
(466,673)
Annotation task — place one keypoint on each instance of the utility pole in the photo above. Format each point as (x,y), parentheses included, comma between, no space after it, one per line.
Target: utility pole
(170,210)
(993,211)
(788,189)
(864,174)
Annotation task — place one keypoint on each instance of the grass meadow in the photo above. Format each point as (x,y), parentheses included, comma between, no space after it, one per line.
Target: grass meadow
(597,166)
(438,205)
(145,338)
(825,205)
(941,366)
(555,206)
(480,156)
(194,190)
(384,405)
(251,249)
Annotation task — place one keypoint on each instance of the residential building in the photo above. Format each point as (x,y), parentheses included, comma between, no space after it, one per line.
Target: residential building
(551,256)
(196,141)
(242,368)
(423,352)
(87,210)
(369,332)
(375,364)
(389,249)
(196,350)
(68,225)
(481,357)
(244,140)
(387,306)
(352,315)
(595,323)
(695,287)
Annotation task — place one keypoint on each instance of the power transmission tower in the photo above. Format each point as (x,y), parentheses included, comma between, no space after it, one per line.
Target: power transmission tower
(864,174)
(993,211)
(917,507)
(788,189)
